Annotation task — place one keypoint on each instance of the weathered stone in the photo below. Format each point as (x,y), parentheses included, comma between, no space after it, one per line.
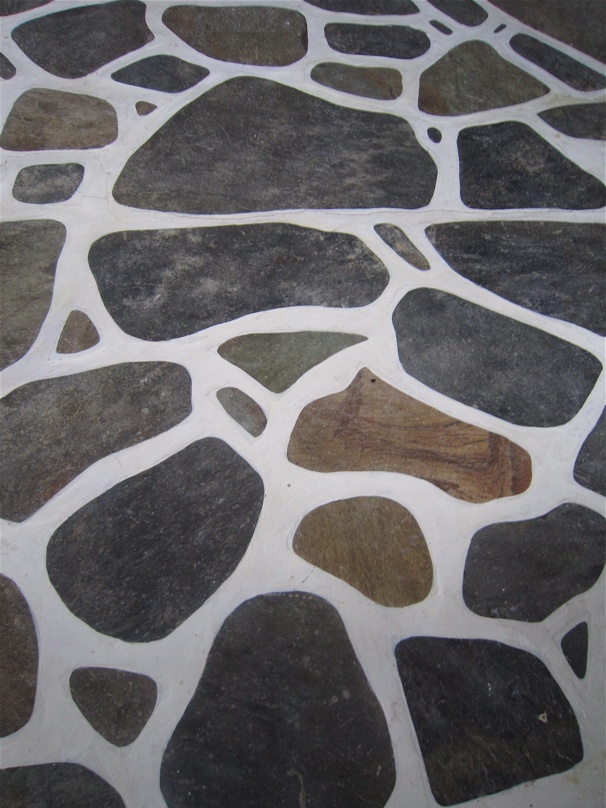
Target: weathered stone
(590,469)
(7,68)
(487,716)
(141,558)
(250,35)
(373,544)
(466,12)
(56,785)
(397,41)
(79,333)
(365,7)
(439,26)
(144,107)
(491,362)
(574,647)
(52,430)
(560,65)
(77,41)
(278,360)
(283,715)
(167,73)
(48,183)
(251,144)
(434,134)
(162,284)
(402,245)
(18,658)
(555,268)
(578,120)
(370,82)
(473,77)
(118,704)
(523,570)
(29,253)
(243,409)
(51,119)
(372,426)
(507,165)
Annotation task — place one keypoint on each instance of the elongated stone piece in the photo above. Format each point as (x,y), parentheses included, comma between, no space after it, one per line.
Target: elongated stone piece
(402,245)
(56,785)
(466,12)
(397,41)
(578,120)
(243,409)
(370,82)
(168,74)
(367,8)
(563,67)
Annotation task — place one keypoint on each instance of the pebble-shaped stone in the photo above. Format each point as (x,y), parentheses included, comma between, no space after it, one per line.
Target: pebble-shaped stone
(396,41)
(166,73)
(43,184)
(243,409)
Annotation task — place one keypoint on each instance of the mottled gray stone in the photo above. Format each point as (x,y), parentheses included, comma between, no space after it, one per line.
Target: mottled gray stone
(166,73)
(368,7)
(466,12)
(402,245)
(283,716)
(78,334)
(370,82)
(507,165)
(78,41)
(52,430)
(560,65)
(523,570)
(578,120)
(251,144)
(439,26)
(555,268)
(56,785)
(434,134)
(487,716)
(7,68)
(243,409)
(141,558)
(397,41)
(144,107)
(8,7)
(575,645)
(491,362)
(590,467)
(48,183)
(162,284)
(18,658)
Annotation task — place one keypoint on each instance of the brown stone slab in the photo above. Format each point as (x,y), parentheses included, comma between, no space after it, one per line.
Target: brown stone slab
(79,333)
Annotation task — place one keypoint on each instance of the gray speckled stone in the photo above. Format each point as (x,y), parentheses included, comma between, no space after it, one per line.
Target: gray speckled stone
(56,785)
(48,183)
(243,409)
(144,107)
(402,245)
(8,7)
(578,120)
(575,644)
(367,7)
(563,67)
(397,41)
(166,73)
(466,12)
(7,68)
(370,82)
(78,334)
(590,468)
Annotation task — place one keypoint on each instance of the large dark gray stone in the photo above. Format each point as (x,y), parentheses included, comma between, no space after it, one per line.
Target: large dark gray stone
(578,120)
(56,785)
(397,41)
(48,183)
(166,73)
(368,7)
(590,468)
(563,67)
(467,12)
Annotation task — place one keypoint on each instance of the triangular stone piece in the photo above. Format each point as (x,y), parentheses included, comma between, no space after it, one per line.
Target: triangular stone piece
(574,646)
(79,333)
(402,245)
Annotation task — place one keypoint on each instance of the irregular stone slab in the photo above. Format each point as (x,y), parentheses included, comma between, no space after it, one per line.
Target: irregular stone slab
(372,426)
(487,716)
(277,361)
(30,251)
(48,183)
(467,12)
(251,144)
(243,409)
(371,543)
(162,284)
(364,7)
(18,658)
(560,65)
(51,119)
(7,68)
(402,245)
(52,430)
(283,715)
(78,41)
(118,704)
(57,785)
(79,333)
(397,41)
(491,362)
(250,35)
(507,165)
(141,558)
(523,570)
(578,120)
(473,77)
(370,82)
(144,107)
(574,647)
(590,469)
(555,268)
(166,73)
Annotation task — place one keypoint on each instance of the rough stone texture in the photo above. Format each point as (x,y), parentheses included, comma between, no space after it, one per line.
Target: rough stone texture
(144,107)
(465,12)
(118,704)
(78,41)
(372,426)
(52,430)
(523,570)
(243,409)
(283,716)
(7,68)
(590,469)
(162,284)
(373,544)
(30,251)
(79,333)
(490,362)
(554,268)
(473,77)
(18,658)
(251,144)
(244,34)
(574,647)
(52,119)
(159,544)
(277,361)
(366,7)
(578,120)
(8,7)
(402,245)
(56,785)
(488,717)
(370,82)
(167,73)
(397,41)
(507,165)
(560,65)
(48,183)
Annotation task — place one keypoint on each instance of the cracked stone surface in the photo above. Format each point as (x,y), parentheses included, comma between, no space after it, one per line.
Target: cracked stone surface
(48,183)
(396,41)
(371,82)
(166,73)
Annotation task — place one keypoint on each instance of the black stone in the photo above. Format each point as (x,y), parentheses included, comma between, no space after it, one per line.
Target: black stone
(48,183)
(283,716)
(56,785)
(252,144)
(590,468)
(507,165)
(402,245)
(397,41)
(367,7)
(7,68)
(578,120)
(8,7)
(526,570)
(464,11)
(167,73)
(141,558)
(434,134)
(162,284)
(487,716)
(574,647)
(554,268)
(563,67)
(500,28)
(490,362)
(439,26)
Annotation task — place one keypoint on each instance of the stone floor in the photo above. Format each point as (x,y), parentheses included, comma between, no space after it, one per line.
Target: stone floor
(303,317)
